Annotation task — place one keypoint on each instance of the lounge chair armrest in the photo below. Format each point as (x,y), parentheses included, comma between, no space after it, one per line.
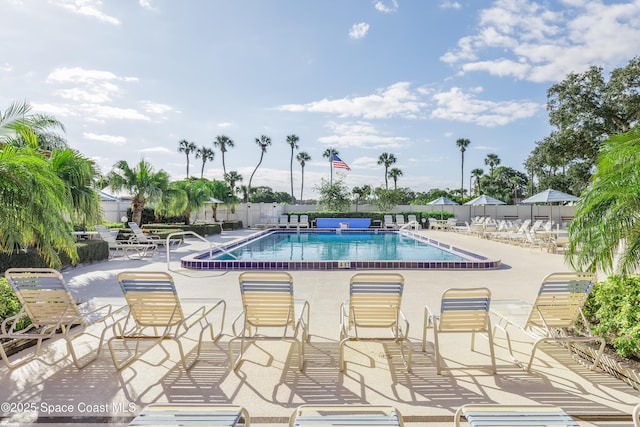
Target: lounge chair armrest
(235,322)
(12,321)
(303,316)
(406,323)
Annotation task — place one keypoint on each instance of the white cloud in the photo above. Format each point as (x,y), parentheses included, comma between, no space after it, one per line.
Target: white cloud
(224,125)
(111,139)
(92,90)
(396,100)
(450,5)
(146,4)
(91,8)
(359,134)
(105,112)
(93,86)
(156,108)
(359,31)
(6,67)
(56,110)
(157,149)
(382,7)
(464,107)
(543,42)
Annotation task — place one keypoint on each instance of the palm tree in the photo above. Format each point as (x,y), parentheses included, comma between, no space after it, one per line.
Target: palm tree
(186,147)
(244,190)
(394,174)
(492,160)
(328,154)
(387,160)
(292,140)
(605,227)
(197,194)
(232,178)
(476,174)
(142,181)
(462,143)
(78,175)
(302,158)
(35,205)
(263,142)
(37,202)
(361,193)
(224,143)
(205,154)
(19,127)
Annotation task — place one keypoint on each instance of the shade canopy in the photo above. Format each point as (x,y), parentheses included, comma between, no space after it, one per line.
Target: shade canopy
(485,200)
(214,200)
(106,197)
(442,201)
(551,196)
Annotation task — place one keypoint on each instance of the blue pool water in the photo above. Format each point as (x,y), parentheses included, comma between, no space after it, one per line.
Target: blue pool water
(338,246)
(337,250)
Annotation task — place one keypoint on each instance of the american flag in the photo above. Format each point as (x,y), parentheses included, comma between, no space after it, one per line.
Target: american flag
(339,164)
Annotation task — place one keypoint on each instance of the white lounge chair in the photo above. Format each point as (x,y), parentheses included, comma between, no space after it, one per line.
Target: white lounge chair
(293,221)
(156,314)
(552,317)
(400,220)
(53,312)
(345,415)
(304,221)
(191,414)
(478,415)
(374,303)
(141,249)
(283,221)
(388,222)
(139,236)
(461,311)
(268,303)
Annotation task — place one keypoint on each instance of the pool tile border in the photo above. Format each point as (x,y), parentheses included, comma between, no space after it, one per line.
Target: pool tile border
(473,261)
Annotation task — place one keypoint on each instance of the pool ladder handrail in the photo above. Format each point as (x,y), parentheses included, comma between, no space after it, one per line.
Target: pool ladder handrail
(193,233)
(411,224)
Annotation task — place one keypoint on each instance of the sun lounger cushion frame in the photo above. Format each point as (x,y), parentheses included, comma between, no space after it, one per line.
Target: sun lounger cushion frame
(156,314)
(53,312)
(374,303)
(268,304)
(553,316)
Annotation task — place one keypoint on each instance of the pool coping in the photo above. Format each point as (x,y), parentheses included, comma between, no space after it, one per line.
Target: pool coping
(473,261)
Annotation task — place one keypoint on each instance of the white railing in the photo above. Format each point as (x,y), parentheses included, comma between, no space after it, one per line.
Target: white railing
(411,224)
(183,233)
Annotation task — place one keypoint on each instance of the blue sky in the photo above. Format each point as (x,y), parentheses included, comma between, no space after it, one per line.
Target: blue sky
(129,79)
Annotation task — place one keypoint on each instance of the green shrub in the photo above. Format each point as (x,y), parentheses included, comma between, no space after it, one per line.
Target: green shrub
(88,251)
(375,216)
(9,305)
(613,308)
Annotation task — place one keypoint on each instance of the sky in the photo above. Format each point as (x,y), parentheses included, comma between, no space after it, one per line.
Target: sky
(130,79)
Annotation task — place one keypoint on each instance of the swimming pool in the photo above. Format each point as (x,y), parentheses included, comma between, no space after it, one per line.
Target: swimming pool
(331,249)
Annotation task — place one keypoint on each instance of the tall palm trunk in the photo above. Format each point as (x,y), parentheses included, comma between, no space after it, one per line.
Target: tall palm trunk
(302,183)
(251,177)
(293,198)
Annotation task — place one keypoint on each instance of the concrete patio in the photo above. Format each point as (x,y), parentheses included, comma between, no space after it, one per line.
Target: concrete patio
(268,383)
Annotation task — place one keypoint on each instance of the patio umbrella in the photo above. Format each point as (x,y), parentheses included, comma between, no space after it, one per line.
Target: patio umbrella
(442,201)
(484,200)
(214,207)
(550,196)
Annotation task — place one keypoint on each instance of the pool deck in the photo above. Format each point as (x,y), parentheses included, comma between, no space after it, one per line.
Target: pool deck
(268,383)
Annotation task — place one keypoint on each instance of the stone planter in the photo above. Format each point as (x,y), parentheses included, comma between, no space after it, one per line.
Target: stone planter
(611,364)
(12,347)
